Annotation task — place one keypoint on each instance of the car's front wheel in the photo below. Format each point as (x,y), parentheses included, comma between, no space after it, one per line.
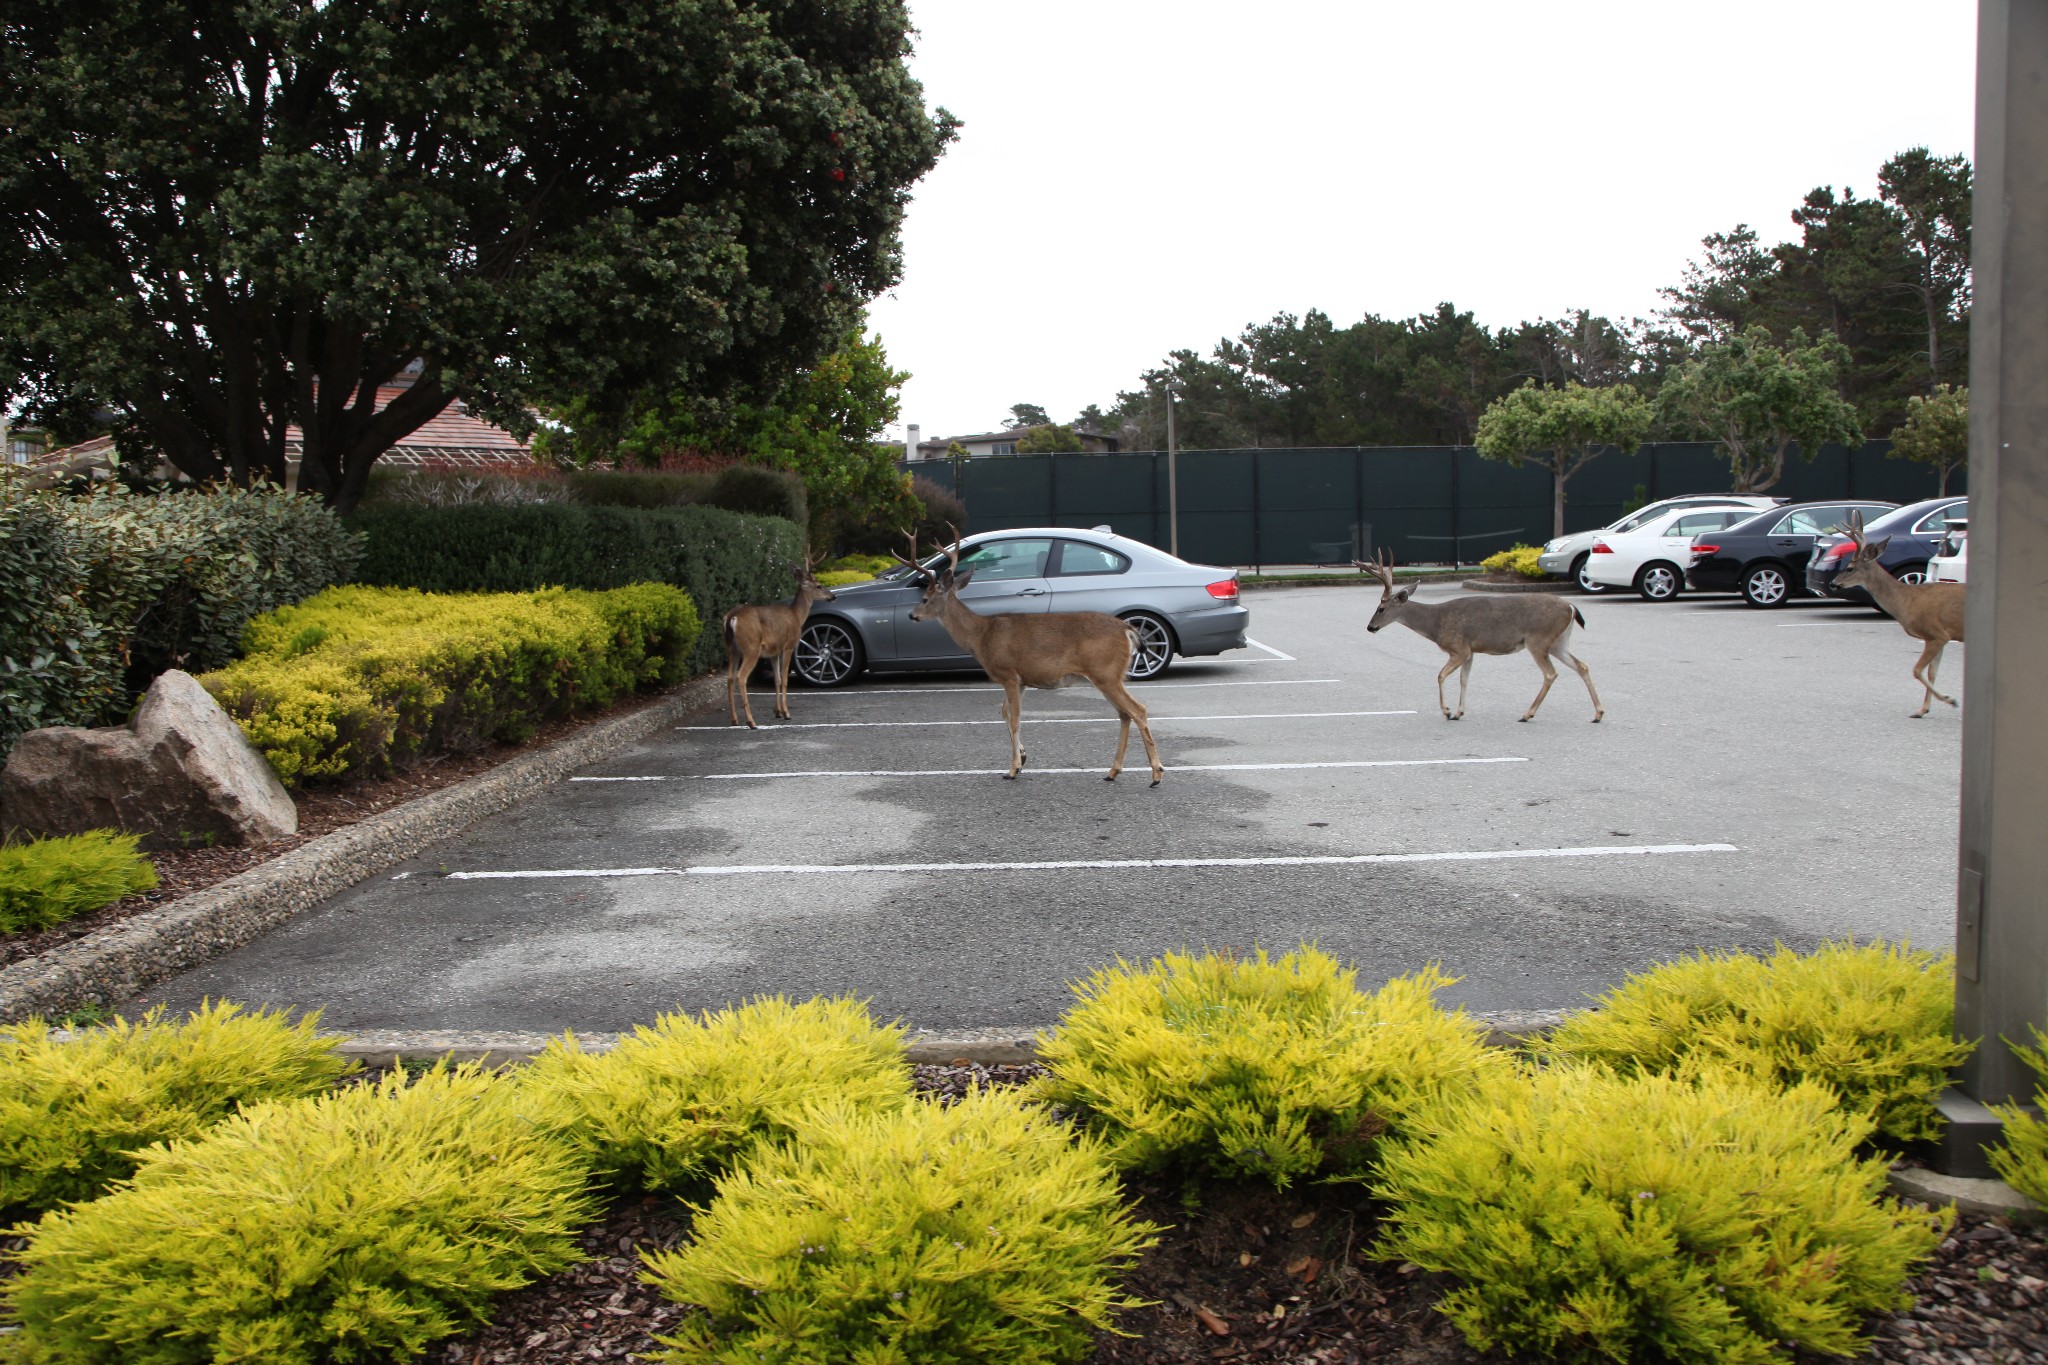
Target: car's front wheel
(1659,582)
(828,654)
(1586,584)
(1767,585)
(1914,574)
(1155,646)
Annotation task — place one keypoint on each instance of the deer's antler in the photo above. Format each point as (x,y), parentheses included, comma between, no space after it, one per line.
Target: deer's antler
(1855,528)
(911,563)
(953,550)
(1381,567)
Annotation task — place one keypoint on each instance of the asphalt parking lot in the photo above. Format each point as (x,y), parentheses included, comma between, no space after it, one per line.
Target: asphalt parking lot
(1756,779)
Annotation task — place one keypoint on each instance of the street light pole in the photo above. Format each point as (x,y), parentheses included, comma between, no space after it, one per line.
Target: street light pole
(2001,918)
(1172,482)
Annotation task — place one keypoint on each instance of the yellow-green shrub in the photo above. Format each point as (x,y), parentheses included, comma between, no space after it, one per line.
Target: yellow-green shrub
(923,1233)
(2021,1157)
(674,1104)
(359,1226)
(1707,1218)
(1518,559)
(47,881)
(1870,1021)
(364,679)
(74,1115)
(839,578)
(1276,1069)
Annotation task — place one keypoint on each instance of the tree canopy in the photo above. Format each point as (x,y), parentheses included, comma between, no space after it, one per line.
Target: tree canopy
(1758,399)
(1050,439)
(1026,415)
(1562,430)
(1936,432)
(226,218)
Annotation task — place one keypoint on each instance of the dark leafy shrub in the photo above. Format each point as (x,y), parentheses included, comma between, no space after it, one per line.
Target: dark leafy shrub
(1272,1068)
(936,508)
(1708,1218)
(369,679)
(58,666)
(674,1104)
(918,1233)
(503,486)
(720,558)
(760,491)
(74,1115)
(1871,1021)
(47,881)
(640,488)
(941,509)
(359,1225)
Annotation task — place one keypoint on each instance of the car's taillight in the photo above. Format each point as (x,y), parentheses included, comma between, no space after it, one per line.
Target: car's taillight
(1601,547)
(1842,551)
(1699,549)
(1225,589)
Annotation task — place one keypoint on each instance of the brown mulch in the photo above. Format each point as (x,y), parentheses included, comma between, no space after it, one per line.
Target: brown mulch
(322,810)
(1284,1275)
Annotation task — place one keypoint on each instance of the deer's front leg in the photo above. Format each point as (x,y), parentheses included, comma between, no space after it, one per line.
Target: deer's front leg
(782,662)
(1442,674)
(1013,711)
(1549,677)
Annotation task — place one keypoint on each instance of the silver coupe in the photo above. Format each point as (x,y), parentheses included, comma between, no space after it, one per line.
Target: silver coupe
(1177,607)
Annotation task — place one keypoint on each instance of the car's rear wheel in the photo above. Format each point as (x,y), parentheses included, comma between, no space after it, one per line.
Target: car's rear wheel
(1767,585)
(1586,584)
(1659,582)
(1155,646)
(1915,574)
(828,654)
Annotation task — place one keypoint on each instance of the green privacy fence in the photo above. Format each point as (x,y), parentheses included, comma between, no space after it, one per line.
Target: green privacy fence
(1423,504)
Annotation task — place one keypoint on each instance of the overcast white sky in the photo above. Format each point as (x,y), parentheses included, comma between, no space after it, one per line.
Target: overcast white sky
(1135,176)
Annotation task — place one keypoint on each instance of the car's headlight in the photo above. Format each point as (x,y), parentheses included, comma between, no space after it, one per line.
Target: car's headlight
(1550,545)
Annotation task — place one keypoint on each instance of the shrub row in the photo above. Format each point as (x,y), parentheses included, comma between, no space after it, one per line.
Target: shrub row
(101,592)
(753,489)
(47,881)
(366,679)
(1696,1205)
(720,558)
(1516,559)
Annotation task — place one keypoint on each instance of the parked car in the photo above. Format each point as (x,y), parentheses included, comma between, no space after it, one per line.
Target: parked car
(1915,531)
(1951,562)
(1568,555)
(1177,607)
(1764,558)
(1652,558)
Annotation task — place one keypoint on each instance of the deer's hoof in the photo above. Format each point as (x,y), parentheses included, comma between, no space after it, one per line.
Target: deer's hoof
(1009,777)
(1521,718)
(1155,781)
(1110,778)
(1596,720)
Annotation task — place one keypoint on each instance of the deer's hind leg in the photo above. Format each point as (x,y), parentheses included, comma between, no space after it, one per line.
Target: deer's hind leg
(782,663)
(1454,662)
(1577,665)
(739,664)
(1542,658)
(1013,712)
(1923,673)
(1129,709)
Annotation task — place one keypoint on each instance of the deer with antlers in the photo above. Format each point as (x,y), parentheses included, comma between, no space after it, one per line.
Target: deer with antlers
(1049,651)
(1492,623)
(1929,612)
(752,633)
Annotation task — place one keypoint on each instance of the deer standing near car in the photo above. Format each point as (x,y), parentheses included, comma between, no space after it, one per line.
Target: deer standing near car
(1048,651)
(1929,612)
(1492,623)
(753,633)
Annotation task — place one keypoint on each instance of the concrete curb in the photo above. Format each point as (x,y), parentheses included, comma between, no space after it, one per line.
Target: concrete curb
(988,1046)
(113,965)
(1984,1198)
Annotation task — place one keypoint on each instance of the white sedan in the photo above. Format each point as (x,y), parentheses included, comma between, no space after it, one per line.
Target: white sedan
(1652,558)
(1569,555)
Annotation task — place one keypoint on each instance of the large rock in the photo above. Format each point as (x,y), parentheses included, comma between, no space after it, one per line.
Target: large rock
(181,773)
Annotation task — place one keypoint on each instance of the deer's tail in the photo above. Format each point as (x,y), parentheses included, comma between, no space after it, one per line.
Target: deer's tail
(731,625)
(1579,618)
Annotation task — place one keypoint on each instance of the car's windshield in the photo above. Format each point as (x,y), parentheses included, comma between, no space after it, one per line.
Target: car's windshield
(1638,520)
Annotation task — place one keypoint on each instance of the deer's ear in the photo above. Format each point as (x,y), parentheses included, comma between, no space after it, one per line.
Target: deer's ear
(1403,594)
(961,580)
(1873,551)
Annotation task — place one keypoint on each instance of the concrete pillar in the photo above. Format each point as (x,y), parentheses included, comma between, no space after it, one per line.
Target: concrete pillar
(2002,877)
(911,435)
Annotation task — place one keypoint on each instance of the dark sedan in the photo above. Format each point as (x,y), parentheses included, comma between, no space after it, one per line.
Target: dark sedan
(1764,558)
(1915,531)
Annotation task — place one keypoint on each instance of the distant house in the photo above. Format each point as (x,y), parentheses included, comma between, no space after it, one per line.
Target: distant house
(454,438)
(1005,443)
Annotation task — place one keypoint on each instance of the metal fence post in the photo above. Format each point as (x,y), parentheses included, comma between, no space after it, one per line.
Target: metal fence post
(1258,559)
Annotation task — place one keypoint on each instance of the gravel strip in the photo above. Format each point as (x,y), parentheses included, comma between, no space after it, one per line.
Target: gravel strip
(112,965)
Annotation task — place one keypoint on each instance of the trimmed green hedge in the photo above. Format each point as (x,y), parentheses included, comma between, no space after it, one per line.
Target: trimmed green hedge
(369,678)
(720,558)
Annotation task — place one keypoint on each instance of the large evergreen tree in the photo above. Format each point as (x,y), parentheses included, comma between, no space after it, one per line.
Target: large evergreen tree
(221,218)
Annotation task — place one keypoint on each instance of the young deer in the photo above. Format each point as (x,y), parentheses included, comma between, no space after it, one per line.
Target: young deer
(754,632)
(1929,612)
(1489,624)
(1037,651)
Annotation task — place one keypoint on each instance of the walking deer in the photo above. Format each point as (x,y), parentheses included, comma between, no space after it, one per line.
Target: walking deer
(1929,612)
(1048,651)
(1488,624)
(752,633)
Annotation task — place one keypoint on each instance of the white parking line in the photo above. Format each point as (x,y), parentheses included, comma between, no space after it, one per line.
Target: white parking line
(1044,772)
(1033,720)
(1100,864)
(1270,650)
(927,691)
